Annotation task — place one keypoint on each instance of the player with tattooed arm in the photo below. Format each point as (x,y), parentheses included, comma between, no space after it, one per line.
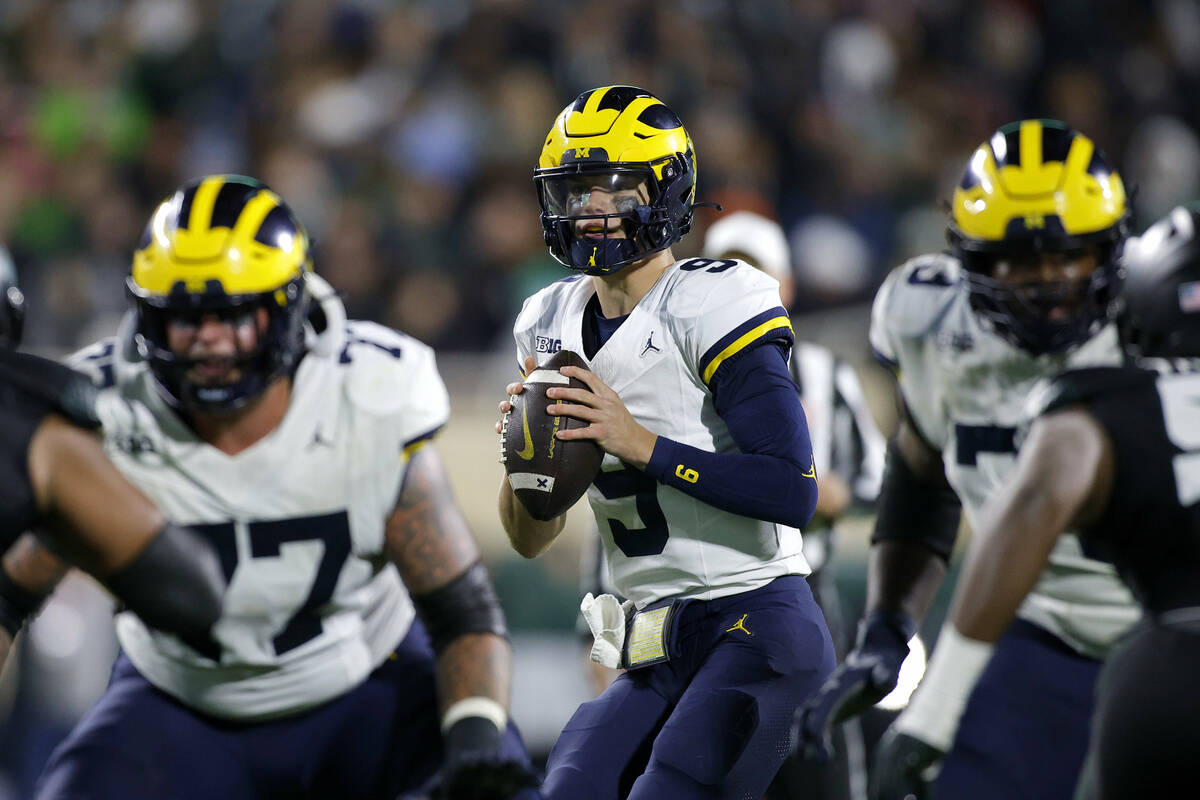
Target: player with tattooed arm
(362,645)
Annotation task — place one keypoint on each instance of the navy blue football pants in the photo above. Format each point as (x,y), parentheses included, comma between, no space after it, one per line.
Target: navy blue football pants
(1024,731)
(712,722)
(378,740)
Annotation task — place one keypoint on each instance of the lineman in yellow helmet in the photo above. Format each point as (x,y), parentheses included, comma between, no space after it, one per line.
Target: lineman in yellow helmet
(1037,206)
(228,248)
(1027,291)
(240,398)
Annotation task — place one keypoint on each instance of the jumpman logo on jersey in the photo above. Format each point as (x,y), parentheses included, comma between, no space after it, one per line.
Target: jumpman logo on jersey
(319,441)
(650,345)
(740,625)
(812,472)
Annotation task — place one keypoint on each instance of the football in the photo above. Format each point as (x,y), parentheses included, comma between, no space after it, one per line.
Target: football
(548,475)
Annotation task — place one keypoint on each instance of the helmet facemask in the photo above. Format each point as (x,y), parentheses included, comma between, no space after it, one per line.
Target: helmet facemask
(222,245)
(276,351)
(1044,316)
(599,217)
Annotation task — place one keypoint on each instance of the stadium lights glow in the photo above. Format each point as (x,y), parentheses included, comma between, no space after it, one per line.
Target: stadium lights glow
(911,672)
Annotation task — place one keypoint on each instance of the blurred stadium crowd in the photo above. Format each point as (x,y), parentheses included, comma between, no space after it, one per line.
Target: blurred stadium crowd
(404,133)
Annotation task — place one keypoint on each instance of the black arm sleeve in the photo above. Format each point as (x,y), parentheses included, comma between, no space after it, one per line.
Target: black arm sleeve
(175,584)
(467,604)
(914,510)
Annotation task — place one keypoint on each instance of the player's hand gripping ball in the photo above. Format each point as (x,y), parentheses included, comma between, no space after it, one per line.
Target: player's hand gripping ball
(548,475)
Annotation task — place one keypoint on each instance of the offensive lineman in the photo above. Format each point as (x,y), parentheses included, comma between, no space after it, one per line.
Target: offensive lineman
(241,399)
(1037,222)
(707,459)
(1115,454)
(54,474)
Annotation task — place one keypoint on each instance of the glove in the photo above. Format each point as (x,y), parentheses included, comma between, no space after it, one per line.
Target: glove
(906,758)
(476,769)
(904,767)
(606,617)
(865,677)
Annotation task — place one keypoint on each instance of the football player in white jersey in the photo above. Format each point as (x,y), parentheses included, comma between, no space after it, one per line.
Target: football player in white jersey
(707,477)
(240,399)
(1037,222)
(1113,454)
(848,451)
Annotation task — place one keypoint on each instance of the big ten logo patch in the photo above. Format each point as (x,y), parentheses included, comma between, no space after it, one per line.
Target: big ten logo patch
(547,345)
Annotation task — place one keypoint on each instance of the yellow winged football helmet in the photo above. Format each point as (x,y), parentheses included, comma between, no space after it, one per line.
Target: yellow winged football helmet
(1036,187)
(225,245)
(617,140)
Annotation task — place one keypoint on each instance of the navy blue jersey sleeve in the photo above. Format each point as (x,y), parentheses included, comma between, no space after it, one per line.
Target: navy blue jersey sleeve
(773,478)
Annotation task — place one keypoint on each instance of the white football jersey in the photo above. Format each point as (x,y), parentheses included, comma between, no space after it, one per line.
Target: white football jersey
(660,542)
(968,391)
(297,519)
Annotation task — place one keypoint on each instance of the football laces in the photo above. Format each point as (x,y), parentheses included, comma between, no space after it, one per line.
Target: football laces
(504,429)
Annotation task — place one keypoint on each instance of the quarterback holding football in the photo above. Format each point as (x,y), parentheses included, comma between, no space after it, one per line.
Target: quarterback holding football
(706,477)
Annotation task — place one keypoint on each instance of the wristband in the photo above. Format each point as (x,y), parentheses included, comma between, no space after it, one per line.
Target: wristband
(936,707)
(484,707)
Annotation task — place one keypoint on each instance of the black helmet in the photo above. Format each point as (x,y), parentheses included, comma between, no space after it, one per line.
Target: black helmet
(1160,298)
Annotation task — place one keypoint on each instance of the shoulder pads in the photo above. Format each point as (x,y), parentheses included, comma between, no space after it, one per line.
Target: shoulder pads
(1082,385)
(700,283)
(534,307)
(916,294)
(389,372)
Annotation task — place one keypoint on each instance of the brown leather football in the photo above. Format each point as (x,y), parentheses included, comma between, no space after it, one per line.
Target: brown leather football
(548,475)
